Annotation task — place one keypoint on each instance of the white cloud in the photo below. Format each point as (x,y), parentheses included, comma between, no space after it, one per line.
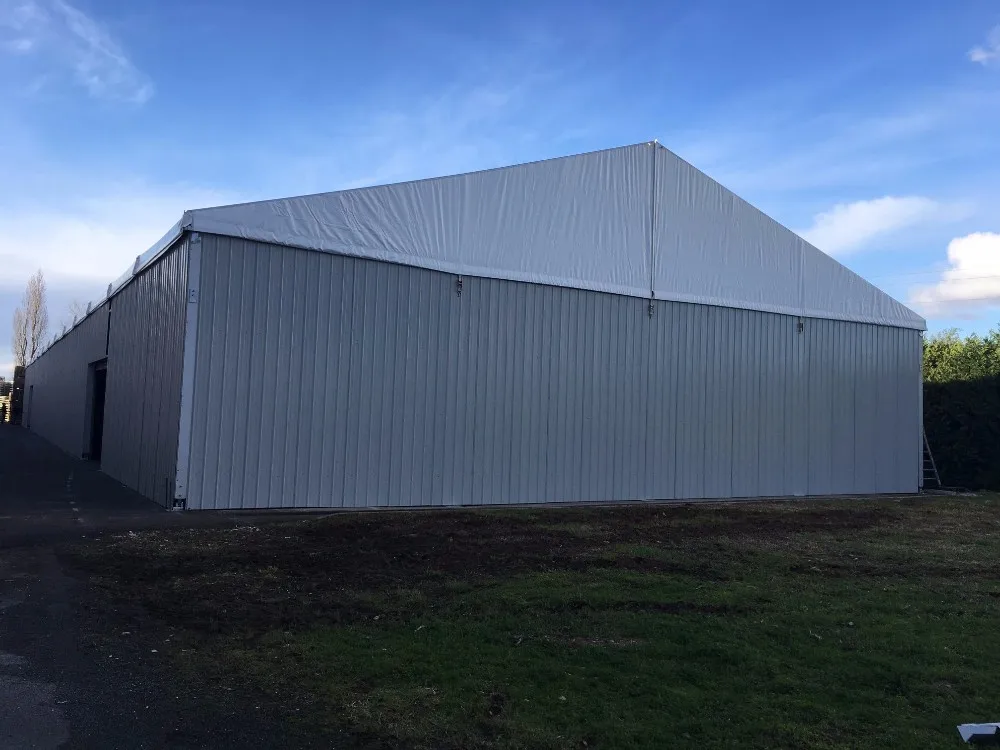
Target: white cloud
(971,282)
(59,35)
(19,46)
(778,153)
(984,55)
(461,128)
(89,243)
(850,226)
(83,245)
(503,104)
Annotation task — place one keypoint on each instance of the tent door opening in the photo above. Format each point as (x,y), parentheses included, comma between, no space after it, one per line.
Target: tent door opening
(98,388)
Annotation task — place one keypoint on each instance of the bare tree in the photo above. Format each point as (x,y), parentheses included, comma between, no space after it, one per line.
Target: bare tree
(31,321)
(19,342)
(36,308)
(74,313)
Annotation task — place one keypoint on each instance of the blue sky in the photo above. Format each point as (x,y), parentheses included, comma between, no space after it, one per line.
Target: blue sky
(868,127)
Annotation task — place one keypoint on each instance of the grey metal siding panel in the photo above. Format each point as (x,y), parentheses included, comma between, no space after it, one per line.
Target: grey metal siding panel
(767,360)
(58,382)
(843,395)
(326,380)
(145,362)
(911,454)
(886,420)
(664,413)
(820,400)
(862,425)
(865,400)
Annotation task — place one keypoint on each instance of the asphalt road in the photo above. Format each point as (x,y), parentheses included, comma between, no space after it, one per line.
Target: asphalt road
(63,682)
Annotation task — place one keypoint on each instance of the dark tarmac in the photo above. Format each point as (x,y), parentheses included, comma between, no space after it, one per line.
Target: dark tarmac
(63,682)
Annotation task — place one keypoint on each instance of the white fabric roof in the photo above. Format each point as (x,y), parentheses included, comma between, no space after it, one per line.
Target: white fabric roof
(636,220)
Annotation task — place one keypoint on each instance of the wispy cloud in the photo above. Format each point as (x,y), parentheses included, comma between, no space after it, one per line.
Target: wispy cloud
(757,151)
(851,226)
(57,35)
(486,115)
(969,284)
(82,245)
(19,46)
(457,130)
(502,105)
(440,130)
(984,54)
(87,243)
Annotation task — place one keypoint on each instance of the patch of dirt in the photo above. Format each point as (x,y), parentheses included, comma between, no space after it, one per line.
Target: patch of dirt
(678,608)
(763,521)
(903,569)
(607,642)
(256,579)
(593,641)
(496,702)
(706,570)
(670,608)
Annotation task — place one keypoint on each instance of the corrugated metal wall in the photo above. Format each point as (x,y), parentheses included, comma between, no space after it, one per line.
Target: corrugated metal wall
(57,385)
(324,380)
(145,359)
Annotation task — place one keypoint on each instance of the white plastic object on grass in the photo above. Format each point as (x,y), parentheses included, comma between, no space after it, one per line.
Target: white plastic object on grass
(980,734)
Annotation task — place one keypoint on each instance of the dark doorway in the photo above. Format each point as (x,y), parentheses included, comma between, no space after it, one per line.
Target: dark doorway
(100,382)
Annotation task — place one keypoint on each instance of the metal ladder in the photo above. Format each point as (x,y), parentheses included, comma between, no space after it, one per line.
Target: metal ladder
(930,472)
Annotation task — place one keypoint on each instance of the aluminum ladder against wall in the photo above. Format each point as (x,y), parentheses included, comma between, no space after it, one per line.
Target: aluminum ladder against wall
(929,468)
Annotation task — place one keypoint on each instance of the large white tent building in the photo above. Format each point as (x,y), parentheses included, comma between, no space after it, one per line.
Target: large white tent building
(609,326)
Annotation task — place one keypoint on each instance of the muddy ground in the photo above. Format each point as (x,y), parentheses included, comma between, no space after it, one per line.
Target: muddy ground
(257,578)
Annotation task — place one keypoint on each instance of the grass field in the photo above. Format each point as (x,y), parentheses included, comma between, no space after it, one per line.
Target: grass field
(854,624)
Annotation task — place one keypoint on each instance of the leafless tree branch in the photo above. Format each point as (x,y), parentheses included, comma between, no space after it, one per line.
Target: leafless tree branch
(19,340)
(31,321)
(75,311)
(37,312)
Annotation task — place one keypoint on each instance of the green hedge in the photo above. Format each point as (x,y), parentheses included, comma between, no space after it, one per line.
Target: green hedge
(962,407)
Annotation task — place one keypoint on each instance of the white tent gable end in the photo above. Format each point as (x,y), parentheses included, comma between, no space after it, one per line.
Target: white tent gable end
(636,220)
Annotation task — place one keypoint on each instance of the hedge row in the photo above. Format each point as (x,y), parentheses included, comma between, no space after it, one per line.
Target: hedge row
(962,407)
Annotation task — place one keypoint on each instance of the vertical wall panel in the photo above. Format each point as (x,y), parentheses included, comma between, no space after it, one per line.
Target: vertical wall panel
(662,413)
(909,407)
(145,360)
(865,412)
(746,406)
(325,380)
(845,362)
(820,405)
(767,359)
(58,383)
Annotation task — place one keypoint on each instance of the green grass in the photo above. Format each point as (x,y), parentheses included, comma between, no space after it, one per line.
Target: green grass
(849,624)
